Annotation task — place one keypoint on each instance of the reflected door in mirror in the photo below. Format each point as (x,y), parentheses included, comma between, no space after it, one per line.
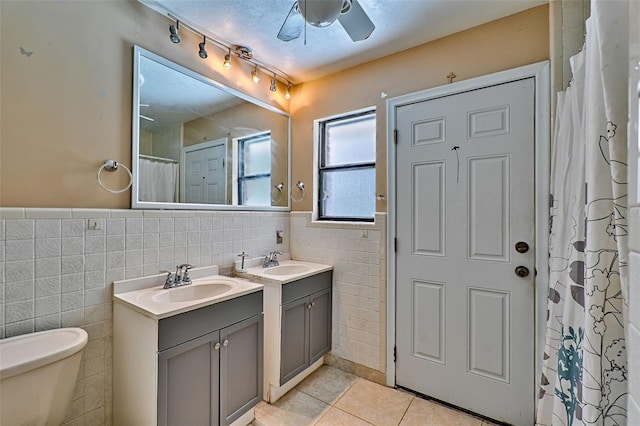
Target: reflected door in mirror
(205,174)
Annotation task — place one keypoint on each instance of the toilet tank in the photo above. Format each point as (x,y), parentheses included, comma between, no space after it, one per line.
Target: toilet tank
(38,372)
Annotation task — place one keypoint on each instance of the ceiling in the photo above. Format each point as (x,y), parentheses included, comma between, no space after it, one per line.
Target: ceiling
(400,25)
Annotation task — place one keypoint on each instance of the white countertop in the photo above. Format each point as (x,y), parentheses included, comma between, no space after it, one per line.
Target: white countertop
(141,294)
(264,275)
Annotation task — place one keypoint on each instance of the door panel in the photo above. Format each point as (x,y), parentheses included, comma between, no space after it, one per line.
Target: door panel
(428,321)
(205,175)
(188,383)
(240,368)
(489,333)
(319,325)
(429,210)
(465,321)
(489,208)
(295,346)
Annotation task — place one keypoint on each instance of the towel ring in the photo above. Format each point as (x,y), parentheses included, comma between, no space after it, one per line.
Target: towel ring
(112,166)
(300,186)
(277,190)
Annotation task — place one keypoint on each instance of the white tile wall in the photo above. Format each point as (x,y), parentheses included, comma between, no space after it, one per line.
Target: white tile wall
(358,254)
(55,272)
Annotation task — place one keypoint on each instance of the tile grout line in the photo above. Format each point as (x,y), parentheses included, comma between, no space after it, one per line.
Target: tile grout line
(407,409)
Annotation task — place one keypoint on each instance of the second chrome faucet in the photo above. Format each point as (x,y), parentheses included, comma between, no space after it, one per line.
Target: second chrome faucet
(271,259)
(179,278)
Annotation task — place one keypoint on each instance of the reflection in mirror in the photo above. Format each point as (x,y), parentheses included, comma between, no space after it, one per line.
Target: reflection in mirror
(200,145)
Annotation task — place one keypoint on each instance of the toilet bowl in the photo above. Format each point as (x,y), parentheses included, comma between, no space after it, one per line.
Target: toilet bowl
(38,373)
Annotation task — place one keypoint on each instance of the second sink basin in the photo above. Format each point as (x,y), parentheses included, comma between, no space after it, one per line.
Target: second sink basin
(286,270)
(192,292)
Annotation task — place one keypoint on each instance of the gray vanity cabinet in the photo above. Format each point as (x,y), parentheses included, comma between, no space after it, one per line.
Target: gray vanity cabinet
(241,364)
(214,378)
(306,323)
(188,376)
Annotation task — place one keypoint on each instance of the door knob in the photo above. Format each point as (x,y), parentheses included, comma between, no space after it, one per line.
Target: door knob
(522,247)
(522,271)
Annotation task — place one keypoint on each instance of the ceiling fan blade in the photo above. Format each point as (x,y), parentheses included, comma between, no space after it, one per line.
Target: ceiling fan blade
(356,22)
(292,26)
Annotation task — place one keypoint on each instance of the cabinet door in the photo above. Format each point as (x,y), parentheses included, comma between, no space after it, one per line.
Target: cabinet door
(188,377)
(295,339)
(319,324)
(241,363)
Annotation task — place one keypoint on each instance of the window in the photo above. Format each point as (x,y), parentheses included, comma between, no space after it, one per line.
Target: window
(347,167)
(254,170)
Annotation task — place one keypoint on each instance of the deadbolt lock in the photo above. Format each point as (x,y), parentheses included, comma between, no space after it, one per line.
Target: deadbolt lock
(522,247)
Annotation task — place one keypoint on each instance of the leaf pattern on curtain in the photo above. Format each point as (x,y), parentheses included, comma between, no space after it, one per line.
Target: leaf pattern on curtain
(584,377)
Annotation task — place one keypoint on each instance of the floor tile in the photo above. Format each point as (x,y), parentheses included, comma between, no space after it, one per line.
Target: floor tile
(336,417)
(327,384)
(374,403)
(423,412)
(294,409)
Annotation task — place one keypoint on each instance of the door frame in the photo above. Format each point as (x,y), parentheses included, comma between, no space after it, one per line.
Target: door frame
(197,147)
(542,113)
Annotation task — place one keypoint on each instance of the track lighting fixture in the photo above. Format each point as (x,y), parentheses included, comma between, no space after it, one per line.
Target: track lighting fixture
(227,60)
(203,50)
(173,30)
(243,53)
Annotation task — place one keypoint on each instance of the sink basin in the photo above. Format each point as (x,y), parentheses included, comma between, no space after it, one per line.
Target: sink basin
(192,292)
(286,270)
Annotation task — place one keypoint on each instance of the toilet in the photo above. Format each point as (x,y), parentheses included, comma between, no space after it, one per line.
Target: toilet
(38,373)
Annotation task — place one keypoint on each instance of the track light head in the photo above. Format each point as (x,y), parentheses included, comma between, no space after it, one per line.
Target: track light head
(203,50)
(227,60)
(287,93)
(273,86)
(173,30)
(254,75)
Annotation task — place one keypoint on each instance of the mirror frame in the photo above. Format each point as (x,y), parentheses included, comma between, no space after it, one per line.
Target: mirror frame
(138,52)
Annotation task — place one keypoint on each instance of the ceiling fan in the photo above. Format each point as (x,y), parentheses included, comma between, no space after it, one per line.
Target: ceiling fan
(321,13)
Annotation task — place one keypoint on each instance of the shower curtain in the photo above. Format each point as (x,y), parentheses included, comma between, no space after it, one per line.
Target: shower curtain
(158,181)
(584,374)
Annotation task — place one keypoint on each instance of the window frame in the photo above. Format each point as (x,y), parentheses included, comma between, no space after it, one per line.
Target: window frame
(322,168)
(242,177)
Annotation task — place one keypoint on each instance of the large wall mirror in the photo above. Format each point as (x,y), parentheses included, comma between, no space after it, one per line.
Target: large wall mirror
(200,145)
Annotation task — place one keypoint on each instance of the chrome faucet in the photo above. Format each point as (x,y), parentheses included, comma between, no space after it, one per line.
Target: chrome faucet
(180,277)
(271,259)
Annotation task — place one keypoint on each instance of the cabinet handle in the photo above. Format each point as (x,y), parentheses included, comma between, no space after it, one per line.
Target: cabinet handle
(225,343)
(217,346)
(309,306)
(313,304)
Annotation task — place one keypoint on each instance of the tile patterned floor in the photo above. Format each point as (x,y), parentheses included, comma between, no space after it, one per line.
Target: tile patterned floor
(331,397)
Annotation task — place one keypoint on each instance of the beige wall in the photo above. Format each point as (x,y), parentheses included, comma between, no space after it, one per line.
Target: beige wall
(67,107)
(516,40)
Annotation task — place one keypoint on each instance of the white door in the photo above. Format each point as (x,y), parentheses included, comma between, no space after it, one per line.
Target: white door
(205,175)
(465,197)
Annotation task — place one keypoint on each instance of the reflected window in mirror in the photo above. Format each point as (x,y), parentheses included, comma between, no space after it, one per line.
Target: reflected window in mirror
(254,170)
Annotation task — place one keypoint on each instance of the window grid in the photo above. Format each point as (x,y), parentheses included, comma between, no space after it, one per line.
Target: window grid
(245,178)
(325,169)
